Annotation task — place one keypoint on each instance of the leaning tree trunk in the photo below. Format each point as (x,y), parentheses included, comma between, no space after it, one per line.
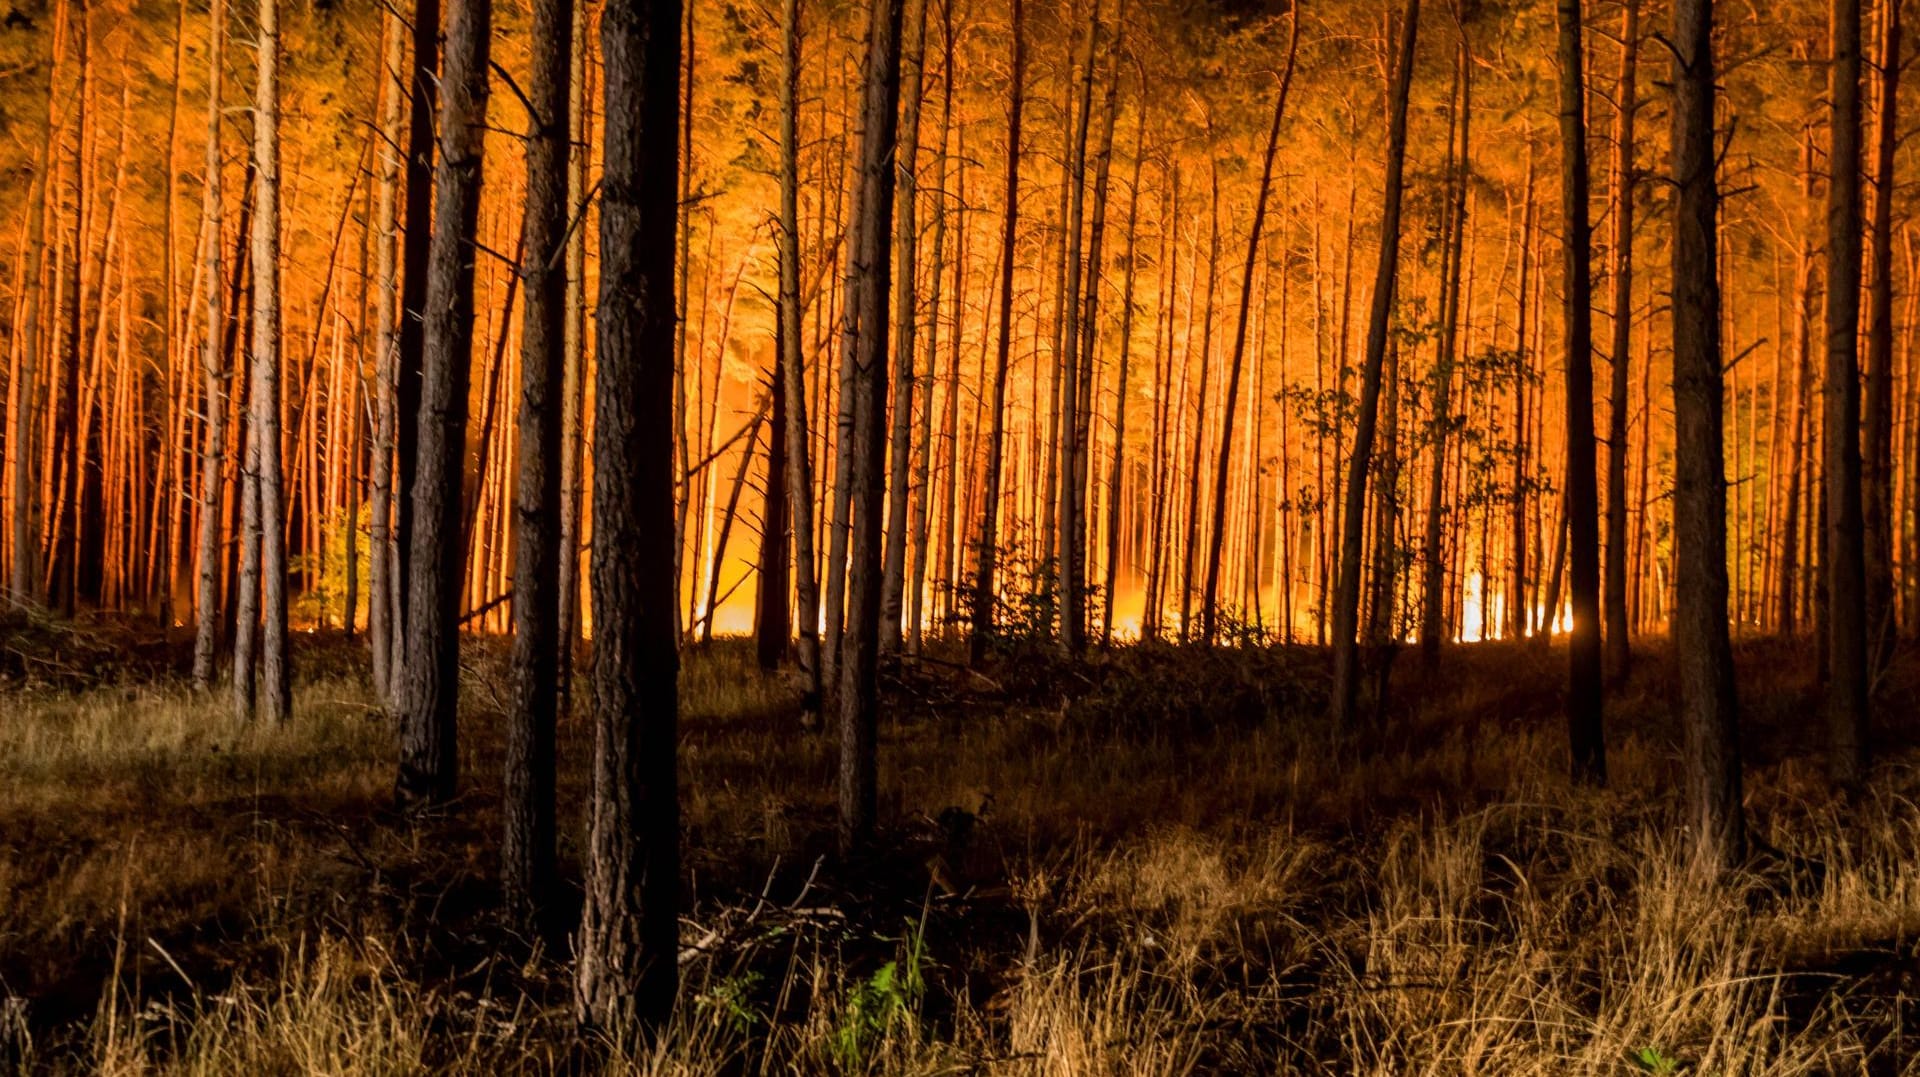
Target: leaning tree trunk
(1585,736)
(864,341)
(430,678)
(526,853)
(1209,598)
(1709,708)
(627,953)
(1844,561)
(1346,611)
(1619,652)
(986,553)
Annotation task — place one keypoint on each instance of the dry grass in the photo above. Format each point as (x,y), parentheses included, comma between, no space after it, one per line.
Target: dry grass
(1149,865)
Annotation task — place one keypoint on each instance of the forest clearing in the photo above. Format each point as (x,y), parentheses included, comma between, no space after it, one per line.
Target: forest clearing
(1151,864)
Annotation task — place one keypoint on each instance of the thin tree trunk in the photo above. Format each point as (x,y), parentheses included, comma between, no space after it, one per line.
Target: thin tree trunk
(380,554)
(905,320)
(1346,614)
(1210,597)
(1877,516)
(986,548)
(1844,560)
(1619,654)
(792,372)
(1585,735)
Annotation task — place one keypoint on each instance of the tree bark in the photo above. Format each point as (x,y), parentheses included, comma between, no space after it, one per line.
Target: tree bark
(792,367)
(627,964)
(1845,556)
(1709,708)
(527,851)
(1585,735)
(905,319)
(1619,647)
(206,608)
(864,342)
(1878,519)
(424,80)
(430,677)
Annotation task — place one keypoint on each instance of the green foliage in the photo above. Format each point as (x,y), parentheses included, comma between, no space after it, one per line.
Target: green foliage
(730,1004)
(1653,1060)
(883,1002)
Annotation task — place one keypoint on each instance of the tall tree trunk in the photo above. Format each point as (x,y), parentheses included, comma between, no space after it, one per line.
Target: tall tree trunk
(424,80)
(1585,734)
(206,608)
(792,372)
(1844,560)
(905,319)
(1626,108)
(381,562)
(430,678)
(1346,613)
(627,964)
(1210,597)
(1709,708)
(1877,516)
(22,440)
(573,402)
(527,851)
(986,550)
(864,341)
(1069,538)
(1117,474)
(1433,598)
(922,504)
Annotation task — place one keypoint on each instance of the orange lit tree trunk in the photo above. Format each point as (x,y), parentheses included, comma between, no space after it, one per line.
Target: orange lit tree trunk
(906,240)
(1877,516)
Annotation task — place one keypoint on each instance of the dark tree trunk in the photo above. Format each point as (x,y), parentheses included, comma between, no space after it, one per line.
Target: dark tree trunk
(1585,734)
(1210,596)
(1845,558)
(771,627)
(1619,653)
(430,678)
(417,237)
(627,965)
(986,552)
(526,853)
(864,341)
(1709,708)
(1877,515)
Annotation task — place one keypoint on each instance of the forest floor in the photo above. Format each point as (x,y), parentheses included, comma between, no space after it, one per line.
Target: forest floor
(1151,862)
